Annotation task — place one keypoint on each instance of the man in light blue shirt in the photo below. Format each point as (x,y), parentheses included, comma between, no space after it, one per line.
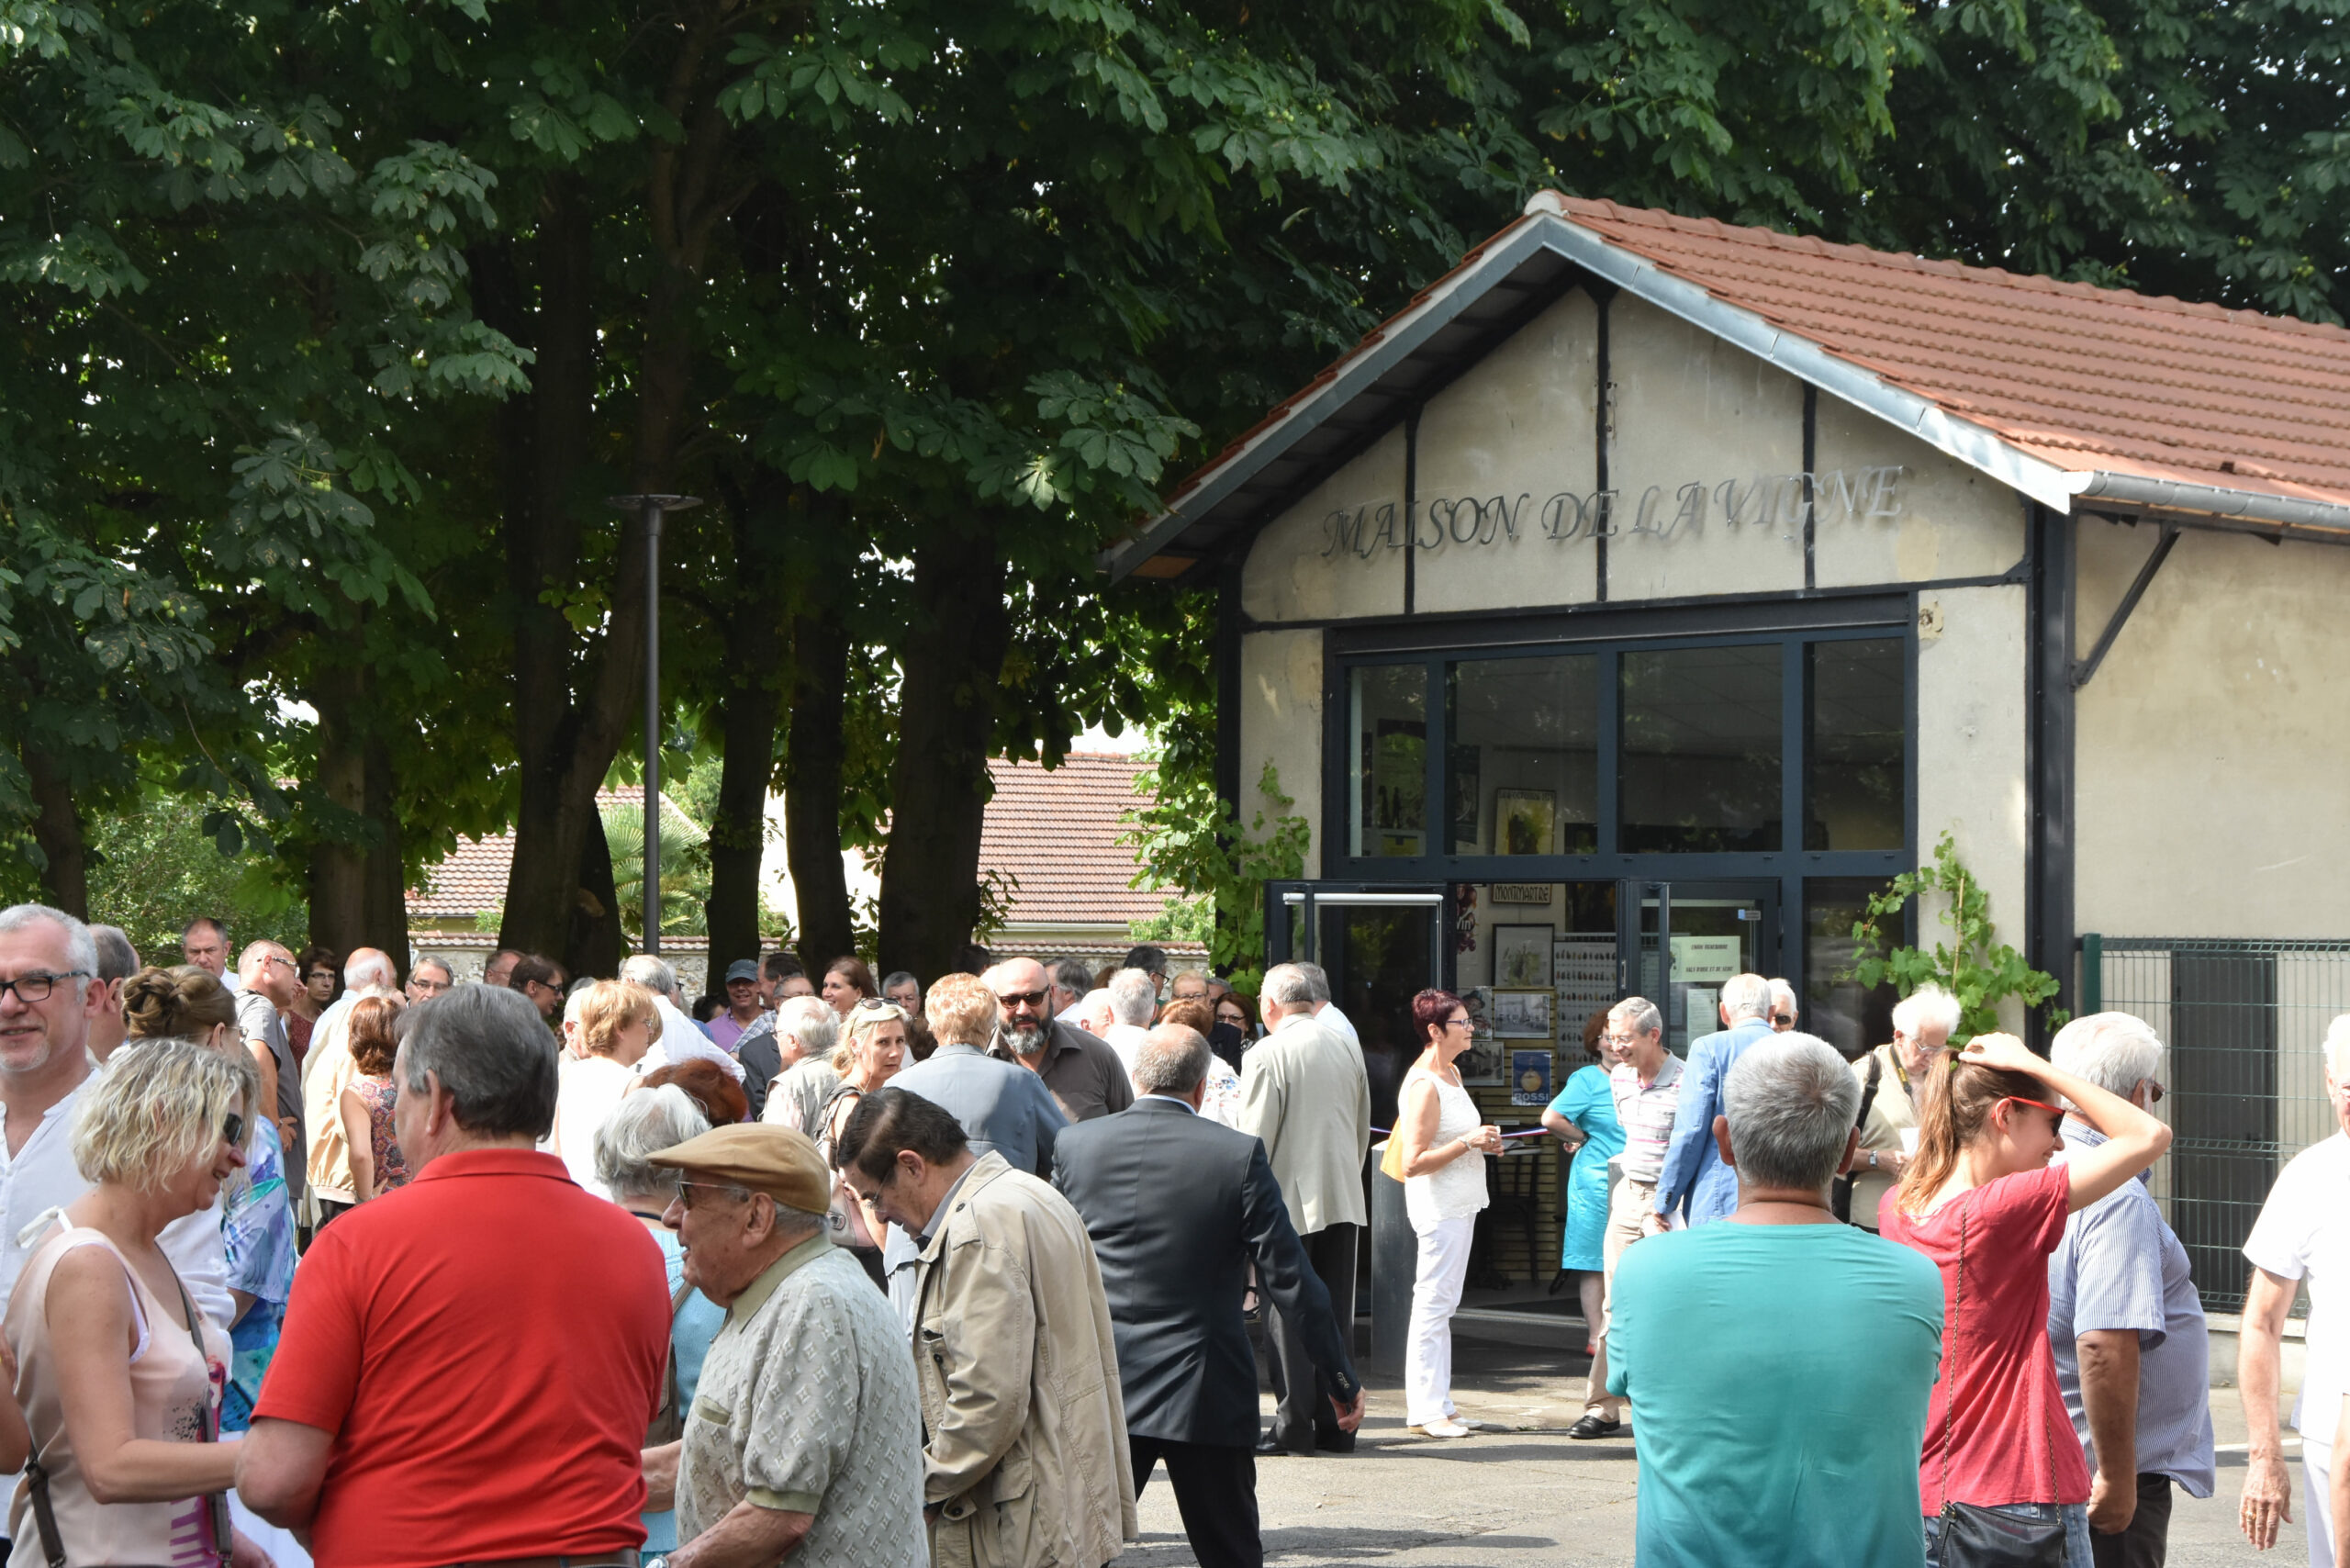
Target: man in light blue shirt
(1695,1177)
(1779,1363)
(2133,1352)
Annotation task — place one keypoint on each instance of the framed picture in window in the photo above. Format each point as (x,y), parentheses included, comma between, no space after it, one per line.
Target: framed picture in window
(1529,1078)
(1522,956)
(1483,1062)
(1523,1015)
(1525,822)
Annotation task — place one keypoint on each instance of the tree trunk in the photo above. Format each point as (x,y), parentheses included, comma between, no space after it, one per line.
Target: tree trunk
(57,829)
(748,715)
(952,667)
(384,882)
(811,786)
(337,865)
(572,707)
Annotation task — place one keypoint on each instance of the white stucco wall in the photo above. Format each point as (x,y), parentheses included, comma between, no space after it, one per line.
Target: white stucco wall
(1290,578)
(1974,724)
(2213,744)
(1520,428)
(1280,724)
(1691,410)
(1948,521)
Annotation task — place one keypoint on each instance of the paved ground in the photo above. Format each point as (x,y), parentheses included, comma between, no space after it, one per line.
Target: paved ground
(1527,1494)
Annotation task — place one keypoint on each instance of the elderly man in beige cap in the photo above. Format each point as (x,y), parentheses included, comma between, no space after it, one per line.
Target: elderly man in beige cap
(805,1436)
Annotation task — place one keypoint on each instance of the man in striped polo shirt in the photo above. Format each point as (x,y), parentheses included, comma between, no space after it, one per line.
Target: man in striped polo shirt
(1646,1087)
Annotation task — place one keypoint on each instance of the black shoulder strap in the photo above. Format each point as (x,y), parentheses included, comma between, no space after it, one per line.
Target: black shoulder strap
(1869,1089)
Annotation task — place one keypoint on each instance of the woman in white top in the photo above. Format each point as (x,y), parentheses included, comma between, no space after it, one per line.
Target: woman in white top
(618,1024)
(1444,1187)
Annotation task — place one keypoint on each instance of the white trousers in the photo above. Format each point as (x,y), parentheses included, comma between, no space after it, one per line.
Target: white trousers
(2316,1500)
(1436,1292)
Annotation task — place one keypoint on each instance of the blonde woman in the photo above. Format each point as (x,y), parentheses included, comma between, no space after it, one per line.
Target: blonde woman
(872,1048)
(119,1376)
(618,1024)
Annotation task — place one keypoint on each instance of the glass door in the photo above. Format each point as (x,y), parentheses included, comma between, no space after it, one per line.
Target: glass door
(1682,939)
(1380,947)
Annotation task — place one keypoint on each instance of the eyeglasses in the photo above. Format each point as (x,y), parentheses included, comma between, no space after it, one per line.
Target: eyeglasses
(277,958)
(706,1186)
(1457,1023)
(1023,998)
(2154,1092)
(233,1130)
(430,987)
(36,986)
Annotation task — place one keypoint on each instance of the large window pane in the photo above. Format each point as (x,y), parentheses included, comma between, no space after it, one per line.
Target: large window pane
(1840,1010)
(1388,813)
(1858,767)
(1701,751)
(1522,773)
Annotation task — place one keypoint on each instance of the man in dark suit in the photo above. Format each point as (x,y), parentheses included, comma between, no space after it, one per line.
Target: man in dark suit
(1178,1208)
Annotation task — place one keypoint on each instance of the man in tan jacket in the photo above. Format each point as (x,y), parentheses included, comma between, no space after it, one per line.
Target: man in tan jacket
(1303,1090)
(1025,1455)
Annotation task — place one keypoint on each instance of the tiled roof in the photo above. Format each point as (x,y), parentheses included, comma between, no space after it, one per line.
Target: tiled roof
(473,877)
(1056,830)
(2062,389)
(2078,376)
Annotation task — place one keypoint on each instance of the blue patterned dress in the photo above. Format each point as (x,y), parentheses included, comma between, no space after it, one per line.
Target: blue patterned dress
(257,1222)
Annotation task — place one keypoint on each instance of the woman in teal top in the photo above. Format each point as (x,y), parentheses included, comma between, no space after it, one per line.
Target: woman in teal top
(1582,1117)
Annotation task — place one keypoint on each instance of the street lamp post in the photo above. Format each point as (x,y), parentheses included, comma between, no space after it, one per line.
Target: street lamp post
(653,507)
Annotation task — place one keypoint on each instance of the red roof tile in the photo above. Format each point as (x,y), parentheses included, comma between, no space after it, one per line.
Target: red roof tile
(473,877)
(2078,376)
(1056,830)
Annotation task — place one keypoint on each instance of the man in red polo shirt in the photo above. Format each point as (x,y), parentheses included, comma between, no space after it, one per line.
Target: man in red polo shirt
(468,1364)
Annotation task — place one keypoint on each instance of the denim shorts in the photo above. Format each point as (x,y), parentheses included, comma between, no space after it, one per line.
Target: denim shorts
(2077,1530)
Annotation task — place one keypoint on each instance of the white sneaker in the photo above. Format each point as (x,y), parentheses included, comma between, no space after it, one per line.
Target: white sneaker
(1444,1427)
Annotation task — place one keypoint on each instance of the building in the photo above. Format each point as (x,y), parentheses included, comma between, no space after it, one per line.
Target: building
(1643,596)
(1049,846)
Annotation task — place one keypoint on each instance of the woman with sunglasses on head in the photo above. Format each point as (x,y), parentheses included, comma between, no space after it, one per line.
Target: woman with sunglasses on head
(117,1373)
(872,1051)
(1982,1201)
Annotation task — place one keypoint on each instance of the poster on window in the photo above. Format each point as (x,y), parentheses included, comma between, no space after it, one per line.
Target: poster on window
(1399,780)
(1529,1078)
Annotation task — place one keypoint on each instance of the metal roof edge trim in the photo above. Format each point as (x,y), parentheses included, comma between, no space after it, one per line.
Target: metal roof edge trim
(1807,360)
(2171,493)
(1401,335)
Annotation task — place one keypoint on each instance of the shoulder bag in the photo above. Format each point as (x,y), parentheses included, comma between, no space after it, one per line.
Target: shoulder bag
(1974,1536)
(1840,1196)
(216,1504)
(669,1420)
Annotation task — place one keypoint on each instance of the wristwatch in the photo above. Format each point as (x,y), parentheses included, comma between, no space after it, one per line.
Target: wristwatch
(1872,1159)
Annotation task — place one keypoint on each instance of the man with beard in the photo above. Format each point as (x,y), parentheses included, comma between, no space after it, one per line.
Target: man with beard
(1084,1074)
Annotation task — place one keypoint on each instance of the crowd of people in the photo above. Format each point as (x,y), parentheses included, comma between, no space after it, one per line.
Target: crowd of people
(305,1263)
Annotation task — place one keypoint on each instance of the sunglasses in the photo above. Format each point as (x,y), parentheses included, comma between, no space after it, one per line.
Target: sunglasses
(233,1130)
(1023,998)
(875,1004)
(2054,1111)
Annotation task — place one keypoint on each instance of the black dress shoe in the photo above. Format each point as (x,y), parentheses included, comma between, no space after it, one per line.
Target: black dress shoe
(1334,1442)
(1594,1424)
(1269,1446)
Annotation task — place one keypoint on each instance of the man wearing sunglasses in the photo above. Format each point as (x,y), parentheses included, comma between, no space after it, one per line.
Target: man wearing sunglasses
(1085,1075)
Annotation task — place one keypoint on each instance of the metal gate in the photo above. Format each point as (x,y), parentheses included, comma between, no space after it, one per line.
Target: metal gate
(2245,1022)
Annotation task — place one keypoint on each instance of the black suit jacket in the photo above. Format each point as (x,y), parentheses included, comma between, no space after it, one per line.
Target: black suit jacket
(1178,1207)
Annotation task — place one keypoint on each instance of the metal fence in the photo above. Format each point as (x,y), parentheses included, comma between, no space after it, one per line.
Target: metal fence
(2245,1022)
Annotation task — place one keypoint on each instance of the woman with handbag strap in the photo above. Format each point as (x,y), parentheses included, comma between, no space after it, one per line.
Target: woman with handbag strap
(119,1377)
(2002,1480)
(872,1048)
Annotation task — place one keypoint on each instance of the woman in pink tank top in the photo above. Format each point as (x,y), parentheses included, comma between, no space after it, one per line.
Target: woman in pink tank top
(119,1376)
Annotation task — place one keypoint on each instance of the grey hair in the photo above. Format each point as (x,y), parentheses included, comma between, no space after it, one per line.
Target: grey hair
(2116,1051)
(1318,977)
(811,1021)
(645,1122)
(1792,1102)
(2337,1048)
(81,948)
(442,964)
(1172,1060)
(1926,1012)
(1132,996)
(1072,976)
(492,1053)
(117,959)
(369,965)
(1782,990)
(1288,985)
(652,971)
(1638,1015)
(1746,996)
